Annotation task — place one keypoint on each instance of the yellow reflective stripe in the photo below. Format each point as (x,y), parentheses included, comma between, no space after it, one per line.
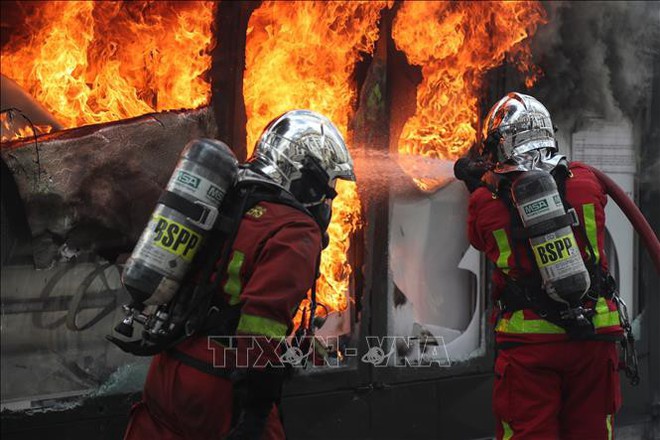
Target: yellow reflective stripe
(258,325)
(608,423)
(608,319)
(589,213)
(604,317)
(518,324)
(508,432)
(504,248)
(601,306)
(233,284)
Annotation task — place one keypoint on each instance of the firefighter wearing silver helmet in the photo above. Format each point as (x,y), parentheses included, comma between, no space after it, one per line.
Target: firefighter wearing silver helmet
(556,354)
(520,135)
(268,269)
(301,145)
(304,153)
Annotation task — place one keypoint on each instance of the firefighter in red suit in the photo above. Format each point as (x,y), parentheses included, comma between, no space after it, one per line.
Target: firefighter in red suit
(272,264)
(554,379)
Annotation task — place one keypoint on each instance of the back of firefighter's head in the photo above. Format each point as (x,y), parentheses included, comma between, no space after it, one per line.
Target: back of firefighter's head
(516,126)
(303,152)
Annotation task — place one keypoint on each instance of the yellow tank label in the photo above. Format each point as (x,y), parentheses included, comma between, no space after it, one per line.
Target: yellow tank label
(175,238)
(554,251)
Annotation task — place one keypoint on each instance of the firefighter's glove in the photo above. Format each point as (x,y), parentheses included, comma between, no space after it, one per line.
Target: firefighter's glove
(257,391)
(470,172)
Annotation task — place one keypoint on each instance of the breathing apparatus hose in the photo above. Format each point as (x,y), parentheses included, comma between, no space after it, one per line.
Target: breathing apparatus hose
(633,214)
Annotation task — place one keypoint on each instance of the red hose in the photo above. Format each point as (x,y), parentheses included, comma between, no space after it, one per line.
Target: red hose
(633,213)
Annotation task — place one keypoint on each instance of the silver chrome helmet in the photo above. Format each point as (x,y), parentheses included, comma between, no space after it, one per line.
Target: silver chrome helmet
(518,124)
(303,152)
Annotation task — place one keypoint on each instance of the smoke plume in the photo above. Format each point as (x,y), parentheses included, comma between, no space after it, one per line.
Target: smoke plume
(597,58)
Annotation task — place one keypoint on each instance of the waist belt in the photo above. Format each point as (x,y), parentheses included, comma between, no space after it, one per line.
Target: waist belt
(520,295)
(507,345)
(527,294)
(200,365)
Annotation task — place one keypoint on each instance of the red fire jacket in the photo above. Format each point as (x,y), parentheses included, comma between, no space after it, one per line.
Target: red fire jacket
(489,230)
(271,267)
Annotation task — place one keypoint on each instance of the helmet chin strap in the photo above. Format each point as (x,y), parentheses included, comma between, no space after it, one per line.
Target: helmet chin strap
(312,187)
(322,213)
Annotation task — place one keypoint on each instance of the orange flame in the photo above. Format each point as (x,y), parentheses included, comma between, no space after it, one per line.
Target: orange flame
(302,55)
(455,43)
(91,62)
(12,129)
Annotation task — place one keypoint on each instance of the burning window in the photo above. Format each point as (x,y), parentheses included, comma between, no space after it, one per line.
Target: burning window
(455,44)
(436,276)
(91,62)
(303,55)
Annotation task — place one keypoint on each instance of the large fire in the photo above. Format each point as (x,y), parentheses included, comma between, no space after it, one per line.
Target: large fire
(455,43)
(302,55)
(91,62)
